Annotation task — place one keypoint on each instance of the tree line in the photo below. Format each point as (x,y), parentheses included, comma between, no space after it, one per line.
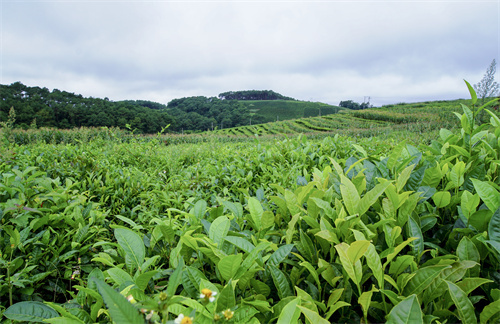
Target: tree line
(40,107)
(253,95)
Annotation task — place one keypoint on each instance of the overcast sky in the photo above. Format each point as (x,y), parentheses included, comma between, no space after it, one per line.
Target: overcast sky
(328,51)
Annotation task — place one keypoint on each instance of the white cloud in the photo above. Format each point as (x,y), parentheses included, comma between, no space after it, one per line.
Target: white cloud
(320,50)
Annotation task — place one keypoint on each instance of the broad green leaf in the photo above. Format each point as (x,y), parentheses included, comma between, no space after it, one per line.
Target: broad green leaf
(489,311)
(256,212)
(350,195)
(240,243)
(353,271)
(374,263)
(371,197)
(235,208)
(280,282)
(219,229)
(290,313)
(406,312)
(229,265)
(119,276)
(403,177)
(469,203)
(397,249)
(143,279)
(65,315)
(267,219)
(467,119)
(175,278)
(312,316)
(488,194)
(313,272)
(467,250)
(250,259)
(364,300)
(30,311)
(494,227)
(120,310)
(432,176)
(494,120)
(395,155)
(472,92)
(199,209)
(357,250)
(422,279)
(415,231)
(90,292)
(280,254)
(226,298)
(306,247)
(291,228)
(468,285)
(132,244)
(441,199)
(464,306)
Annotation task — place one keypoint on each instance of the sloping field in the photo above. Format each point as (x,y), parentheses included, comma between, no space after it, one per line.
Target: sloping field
(419,117)
(274,110)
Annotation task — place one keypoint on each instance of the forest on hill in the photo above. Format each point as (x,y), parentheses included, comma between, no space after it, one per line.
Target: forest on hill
(39,107)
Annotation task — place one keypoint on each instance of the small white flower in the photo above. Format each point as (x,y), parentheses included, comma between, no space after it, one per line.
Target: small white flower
(208,294)
(181,319)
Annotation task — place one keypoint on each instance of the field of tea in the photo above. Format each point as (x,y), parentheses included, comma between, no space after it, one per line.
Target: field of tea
(396,220)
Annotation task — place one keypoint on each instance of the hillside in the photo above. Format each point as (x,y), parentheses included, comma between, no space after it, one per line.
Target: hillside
(272,110)
(417,117)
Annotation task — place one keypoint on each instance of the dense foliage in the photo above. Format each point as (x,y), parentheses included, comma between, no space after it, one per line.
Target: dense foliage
(293,230)
(354,105)
(40,107)
(202,113)
(253,95)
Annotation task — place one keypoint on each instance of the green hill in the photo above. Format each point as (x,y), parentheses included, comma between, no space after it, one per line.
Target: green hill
(272,110)
(417,117)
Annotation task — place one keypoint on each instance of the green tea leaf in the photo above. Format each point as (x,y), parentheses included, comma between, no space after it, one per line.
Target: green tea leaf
(357,250)
(350,195)
(280,254)
(488,194)
(175,278)
(415,231)
(256,212)
(467,250)
(132,244)
(472,92)
(226,299)
(219,229)
(143,279)
(280,282)
(406,312)
(494,226)
(464,306)
(290,313)
(395,155)
(30,311)
(229,265)
(488,311)
(375,265)
(120,310)
(422,279)
(312,316)
(441,199)
(371,197)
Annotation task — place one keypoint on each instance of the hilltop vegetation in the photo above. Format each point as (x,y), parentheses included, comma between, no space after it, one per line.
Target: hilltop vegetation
(39,107)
